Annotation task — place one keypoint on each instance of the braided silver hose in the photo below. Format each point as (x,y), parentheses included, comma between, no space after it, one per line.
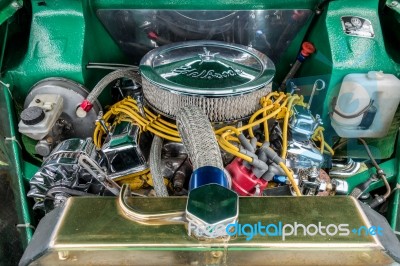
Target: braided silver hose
(106,80)
(198,137)
(155,167)
(87,104)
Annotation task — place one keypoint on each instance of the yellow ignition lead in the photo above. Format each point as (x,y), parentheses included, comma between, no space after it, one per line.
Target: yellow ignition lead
(234,152)
(277,101)
(139,180)
(286,125)
(151,122)
(273,106)
(319,136)
(291,179)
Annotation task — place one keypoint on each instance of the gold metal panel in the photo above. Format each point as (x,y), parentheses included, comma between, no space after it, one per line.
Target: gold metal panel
(94,231)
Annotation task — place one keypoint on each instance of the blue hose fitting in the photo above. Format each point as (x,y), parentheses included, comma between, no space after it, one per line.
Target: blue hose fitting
(208,175)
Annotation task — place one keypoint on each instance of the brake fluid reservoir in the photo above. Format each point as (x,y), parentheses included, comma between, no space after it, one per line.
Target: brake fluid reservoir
(39,117)
(366,105)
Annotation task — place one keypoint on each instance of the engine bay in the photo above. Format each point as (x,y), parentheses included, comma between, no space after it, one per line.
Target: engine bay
(183,118)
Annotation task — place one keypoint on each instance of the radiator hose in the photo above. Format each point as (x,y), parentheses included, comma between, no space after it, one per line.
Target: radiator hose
(201,145)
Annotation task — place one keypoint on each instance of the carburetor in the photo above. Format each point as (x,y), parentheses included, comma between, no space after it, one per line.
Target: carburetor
(303,157)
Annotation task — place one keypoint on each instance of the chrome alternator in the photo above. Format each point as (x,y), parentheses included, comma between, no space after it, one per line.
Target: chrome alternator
(70,170)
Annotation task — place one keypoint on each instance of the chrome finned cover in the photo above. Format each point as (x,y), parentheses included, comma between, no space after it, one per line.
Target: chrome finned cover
(225,80)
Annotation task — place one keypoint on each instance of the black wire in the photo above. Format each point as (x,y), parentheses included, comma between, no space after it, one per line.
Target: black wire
(364,110)
(370,154)
(339,144)
(379,171)
(179,167)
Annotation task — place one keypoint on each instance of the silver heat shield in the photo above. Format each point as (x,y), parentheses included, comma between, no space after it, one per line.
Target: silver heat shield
(225,80)
(219,109)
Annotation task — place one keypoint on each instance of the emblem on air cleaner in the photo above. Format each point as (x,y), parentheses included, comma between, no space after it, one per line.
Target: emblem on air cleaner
(208,67)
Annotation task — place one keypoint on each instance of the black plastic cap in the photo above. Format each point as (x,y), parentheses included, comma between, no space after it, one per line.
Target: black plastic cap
(32,115)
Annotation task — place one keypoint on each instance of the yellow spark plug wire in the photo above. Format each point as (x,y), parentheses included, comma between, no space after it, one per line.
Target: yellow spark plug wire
(319,136)
(139,180)
(291,178)
(150,122)
(266,102)
(286,125)
(273,105)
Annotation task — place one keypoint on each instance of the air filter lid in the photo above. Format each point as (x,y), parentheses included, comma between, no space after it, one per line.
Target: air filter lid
(207,68)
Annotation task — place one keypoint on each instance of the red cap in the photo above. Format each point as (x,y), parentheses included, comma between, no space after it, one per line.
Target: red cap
(152,35)
(307,49)
(86,105)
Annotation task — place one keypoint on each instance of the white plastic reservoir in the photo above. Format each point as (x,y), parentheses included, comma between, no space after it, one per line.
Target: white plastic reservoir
(366,105)
(50,106)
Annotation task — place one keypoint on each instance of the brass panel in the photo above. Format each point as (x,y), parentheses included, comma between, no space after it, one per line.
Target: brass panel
(94,231)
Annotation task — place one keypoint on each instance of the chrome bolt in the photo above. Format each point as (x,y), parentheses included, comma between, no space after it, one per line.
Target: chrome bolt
(63,255)
(394,3)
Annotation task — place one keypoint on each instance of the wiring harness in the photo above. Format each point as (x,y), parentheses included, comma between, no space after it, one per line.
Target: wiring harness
(275,105)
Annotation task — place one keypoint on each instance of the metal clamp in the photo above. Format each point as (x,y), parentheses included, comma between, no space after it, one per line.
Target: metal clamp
(160,218)
(92,168)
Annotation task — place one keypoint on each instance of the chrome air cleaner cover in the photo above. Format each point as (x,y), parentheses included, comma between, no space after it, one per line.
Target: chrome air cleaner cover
(226,80)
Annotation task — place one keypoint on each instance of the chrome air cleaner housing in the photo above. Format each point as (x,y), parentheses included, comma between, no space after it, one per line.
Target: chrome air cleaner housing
(226,80)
